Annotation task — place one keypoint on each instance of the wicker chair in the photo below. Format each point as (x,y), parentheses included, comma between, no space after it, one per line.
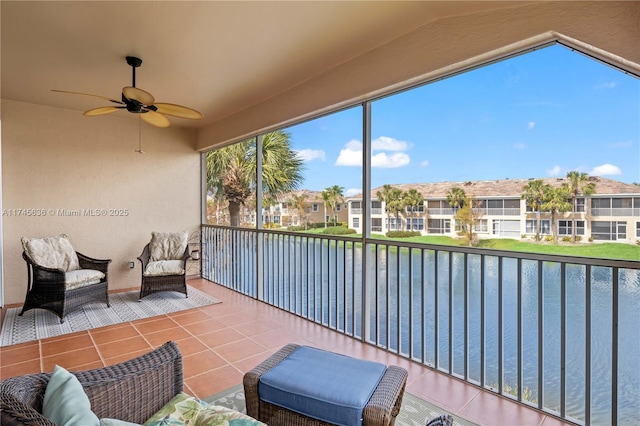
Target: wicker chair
(132,391)
(381,410)
(47,289)
(156,283)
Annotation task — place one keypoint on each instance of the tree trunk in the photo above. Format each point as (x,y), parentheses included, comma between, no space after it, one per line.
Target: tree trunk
(573,219)
(234,213)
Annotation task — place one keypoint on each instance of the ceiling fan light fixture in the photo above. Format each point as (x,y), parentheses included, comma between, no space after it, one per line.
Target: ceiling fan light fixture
(138,101)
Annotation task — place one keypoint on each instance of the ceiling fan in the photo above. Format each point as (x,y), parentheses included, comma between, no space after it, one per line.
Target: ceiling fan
(141,102)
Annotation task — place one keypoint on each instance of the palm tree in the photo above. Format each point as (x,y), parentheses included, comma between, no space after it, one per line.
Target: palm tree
(299,202)
(534,195)
(555,201)
(325,201)
(334,194)
(456,197)
(392,198)
(231,171)
(413,199)
(579,183)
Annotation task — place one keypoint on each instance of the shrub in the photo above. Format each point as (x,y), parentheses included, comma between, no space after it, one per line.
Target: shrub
(549,238)
(296,228)
(402,234)
(578,238)
(338,230)
(566,239)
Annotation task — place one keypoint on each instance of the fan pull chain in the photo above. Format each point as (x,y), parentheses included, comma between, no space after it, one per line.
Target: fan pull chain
(139,150)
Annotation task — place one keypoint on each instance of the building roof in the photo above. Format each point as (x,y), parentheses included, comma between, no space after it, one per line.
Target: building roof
(505,187)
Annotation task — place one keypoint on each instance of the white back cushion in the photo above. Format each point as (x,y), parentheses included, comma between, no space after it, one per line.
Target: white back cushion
(167,245)
(52,252)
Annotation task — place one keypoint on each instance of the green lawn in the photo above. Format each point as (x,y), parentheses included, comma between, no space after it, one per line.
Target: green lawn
(595,250)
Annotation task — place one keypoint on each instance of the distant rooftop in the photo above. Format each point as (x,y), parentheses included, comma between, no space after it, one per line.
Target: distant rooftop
(505,187)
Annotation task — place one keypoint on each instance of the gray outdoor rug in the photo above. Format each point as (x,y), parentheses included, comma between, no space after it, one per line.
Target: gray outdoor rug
(414,411)
(40,323)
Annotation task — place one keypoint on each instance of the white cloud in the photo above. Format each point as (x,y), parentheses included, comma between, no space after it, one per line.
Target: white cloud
(395,160)
(312,154)
(385,143)
(351,154)
(607,85)
(352,191)
(555,171)
(531,125)
(606,170)
(424,163)
(519,145)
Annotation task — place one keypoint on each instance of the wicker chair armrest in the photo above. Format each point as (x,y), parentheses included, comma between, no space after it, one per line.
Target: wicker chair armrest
(133,390)
(136,389)
(37,267)
(251,378)
(87,262)
(144,257)
(389,393)
(16,413)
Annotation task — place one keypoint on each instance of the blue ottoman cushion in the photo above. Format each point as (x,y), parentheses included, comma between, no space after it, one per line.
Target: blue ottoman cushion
(323,385)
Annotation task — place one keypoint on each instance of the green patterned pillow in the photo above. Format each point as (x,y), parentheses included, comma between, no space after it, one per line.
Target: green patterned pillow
(184,409)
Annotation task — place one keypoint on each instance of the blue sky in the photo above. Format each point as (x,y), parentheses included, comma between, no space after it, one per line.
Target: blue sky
(537,115)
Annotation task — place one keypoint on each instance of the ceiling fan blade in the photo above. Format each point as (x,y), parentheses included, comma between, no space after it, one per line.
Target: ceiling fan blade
(178,111)
(87,94)
(102,110)
(155,119)
(144,97)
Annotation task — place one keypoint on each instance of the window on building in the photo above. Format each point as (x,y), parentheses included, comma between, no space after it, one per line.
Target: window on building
(394,224)
(600,203)
(376,224)
(608,230)
(276,219)
(338,207)
(356,205)
(314,207)
(564,227)
(579,205)
(439,226)
(480,225)
(355,222)
(415,209)
(545,226)
(637,229)
(415,224)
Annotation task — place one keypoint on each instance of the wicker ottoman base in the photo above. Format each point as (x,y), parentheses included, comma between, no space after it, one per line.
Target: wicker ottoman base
(381,410)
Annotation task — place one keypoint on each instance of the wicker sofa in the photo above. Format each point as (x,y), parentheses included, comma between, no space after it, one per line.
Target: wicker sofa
(133,390)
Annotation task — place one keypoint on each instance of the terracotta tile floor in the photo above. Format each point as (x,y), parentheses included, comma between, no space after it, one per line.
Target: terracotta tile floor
(221,342)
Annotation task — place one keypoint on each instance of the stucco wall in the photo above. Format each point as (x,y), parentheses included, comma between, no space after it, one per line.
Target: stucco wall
(56,159)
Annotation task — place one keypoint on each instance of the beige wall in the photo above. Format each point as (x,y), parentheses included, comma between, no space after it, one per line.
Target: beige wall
(58,159)
(439,48)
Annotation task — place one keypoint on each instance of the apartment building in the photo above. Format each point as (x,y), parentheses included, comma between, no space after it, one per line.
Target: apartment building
(612,213)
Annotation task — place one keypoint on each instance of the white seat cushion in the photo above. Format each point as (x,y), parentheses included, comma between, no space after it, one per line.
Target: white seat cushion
(165,267)
(82,278)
